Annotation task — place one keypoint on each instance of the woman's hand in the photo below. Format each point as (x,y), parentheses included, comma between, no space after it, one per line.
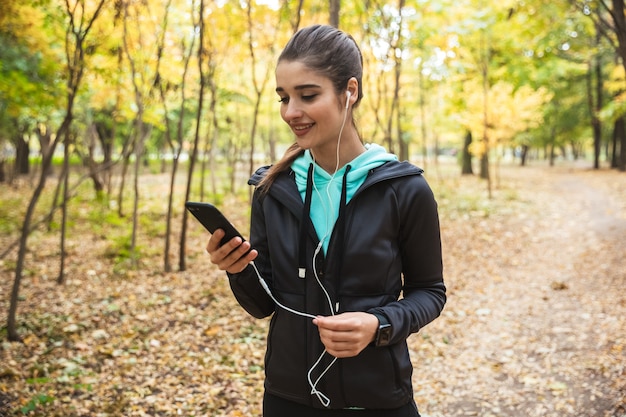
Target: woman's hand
(233,256)
(347,334)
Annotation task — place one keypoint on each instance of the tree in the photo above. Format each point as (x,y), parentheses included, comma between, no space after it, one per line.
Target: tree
(385,40)
(505,74)
(614,112)
(334,7)
(200,24)
(610,22)
(174,137)
(262,40)
(29,86)
(79,24)
(466,155)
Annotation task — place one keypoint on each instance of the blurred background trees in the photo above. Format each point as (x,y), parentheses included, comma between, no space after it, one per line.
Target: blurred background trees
(103,90)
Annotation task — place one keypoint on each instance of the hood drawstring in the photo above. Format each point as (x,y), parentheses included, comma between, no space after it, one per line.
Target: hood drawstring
(341,226)
(340,223)
(304,221)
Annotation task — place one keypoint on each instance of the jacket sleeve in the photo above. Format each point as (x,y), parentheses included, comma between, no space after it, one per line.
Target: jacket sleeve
(424,292)
(245,285)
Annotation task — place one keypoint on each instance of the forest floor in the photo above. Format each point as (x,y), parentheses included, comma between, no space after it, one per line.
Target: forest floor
(535,323)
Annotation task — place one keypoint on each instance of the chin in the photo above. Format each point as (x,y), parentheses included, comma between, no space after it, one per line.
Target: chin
(303,143)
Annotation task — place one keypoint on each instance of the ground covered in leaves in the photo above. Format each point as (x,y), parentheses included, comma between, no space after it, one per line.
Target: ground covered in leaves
(535,323)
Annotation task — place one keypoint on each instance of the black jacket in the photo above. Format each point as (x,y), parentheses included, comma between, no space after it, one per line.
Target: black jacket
(386,243)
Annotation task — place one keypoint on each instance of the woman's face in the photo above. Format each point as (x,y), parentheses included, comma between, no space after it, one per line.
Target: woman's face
(309,106)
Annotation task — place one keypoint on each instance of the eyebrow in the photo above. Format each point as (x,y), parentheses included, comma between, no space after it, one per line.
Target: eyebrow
(299,87)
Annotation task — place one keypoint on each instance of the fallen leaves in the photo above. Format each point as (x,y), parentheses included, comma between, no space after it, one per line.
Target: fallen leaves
(534,325)
(532,338)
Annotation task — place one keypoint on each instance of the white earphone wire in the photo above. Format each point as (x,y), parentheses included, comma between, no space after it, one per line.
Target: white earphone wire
(314,391)
(313,384)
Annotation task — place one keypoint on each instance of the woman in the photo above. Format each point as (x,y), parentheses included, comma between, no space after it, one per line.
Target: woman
(344,249)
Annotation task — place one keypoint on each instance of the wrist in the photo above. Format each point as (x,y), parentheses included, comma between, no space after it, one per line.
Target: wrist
(382,337)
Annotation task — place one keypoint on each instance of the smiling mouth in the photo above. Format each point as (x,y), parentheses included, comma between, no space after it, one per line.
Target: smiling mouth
(302,127)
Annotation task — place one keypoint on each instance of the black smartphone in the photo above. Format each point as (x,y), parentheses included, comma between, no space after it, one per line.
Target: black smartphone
(212,219)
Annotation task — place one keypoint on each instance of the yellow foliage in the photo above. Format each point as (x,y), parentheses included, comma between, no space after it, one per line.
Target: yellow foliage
(477,148)
(616,82)
(502,112)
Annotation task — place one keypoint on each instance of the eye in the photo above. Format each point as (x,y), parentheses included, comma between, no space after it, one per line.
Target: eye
(309,97)
(283,100)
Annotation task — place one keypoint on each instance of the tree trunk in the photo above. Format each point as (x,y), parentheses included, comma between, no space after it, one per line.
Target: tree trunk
(524,155)
(89,160)
(619,145)
(46,161)
(422,105)
(126,153)
(484,70)
(22,154)
(175,148)
(65,179)
(182,265)
(44,134)
(334,7)
(141,137)
(12,333)
(466,156)
(484,166)
(397,50)
(214,135)
(597,124)
(618,133)
(619,28)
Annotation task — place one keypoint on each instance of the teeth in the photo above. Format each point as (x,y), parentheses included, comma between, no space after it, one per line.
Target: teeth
(302,127)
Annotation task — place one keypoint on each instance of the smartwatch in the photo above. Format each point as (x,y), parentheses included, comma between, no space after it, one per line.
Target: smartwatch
(383,334)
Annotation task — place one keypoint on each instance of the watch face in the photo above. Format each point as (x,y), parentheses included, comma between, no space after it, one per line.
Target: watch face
(384,335)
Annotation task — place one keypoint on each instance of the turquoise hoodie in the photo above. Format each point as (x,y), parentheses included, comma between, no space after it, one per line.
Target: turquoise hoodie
(327,187)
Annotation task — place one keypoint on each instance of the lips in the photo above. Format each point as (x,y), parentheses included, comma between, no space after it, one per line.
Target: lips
(301,129)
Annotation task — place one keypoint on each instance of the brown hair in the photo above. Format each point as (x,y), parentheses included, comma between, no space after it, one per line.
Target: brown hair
(333,54)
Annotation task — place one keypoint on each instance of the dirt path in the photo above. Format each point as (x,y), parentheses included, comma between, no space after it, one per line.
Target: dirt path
(537,325)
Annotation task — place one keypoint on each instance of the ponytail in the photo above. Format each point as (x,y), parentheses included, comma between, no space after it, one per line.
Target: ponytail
(291,154)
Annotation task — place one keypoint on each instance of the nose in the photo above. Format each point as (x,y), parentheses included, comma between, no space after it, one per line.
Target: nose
(291,111)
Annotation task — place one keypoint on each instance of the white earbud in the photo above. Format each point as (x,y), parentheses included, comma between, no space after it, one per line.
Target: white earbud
(348,95)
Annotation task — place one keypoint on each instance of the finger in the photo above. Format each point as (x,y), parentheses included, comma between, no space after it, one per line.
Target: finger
(215,241)
(221,252)
(236,260)
(337,323)
(339,350)
(233,256)
(239,264)
(339,338)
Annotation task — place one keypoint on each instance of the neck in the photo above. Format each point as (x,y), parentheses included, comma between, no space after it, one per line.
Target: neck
(348,150)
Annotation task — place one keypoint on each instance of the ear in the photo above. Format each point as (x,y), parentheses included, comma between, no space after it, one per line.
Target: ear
(353,89)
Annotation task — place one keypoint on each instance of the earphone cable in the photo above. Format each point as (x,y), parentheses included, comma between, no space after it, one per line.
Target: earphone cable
(269,292)
(314,391)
